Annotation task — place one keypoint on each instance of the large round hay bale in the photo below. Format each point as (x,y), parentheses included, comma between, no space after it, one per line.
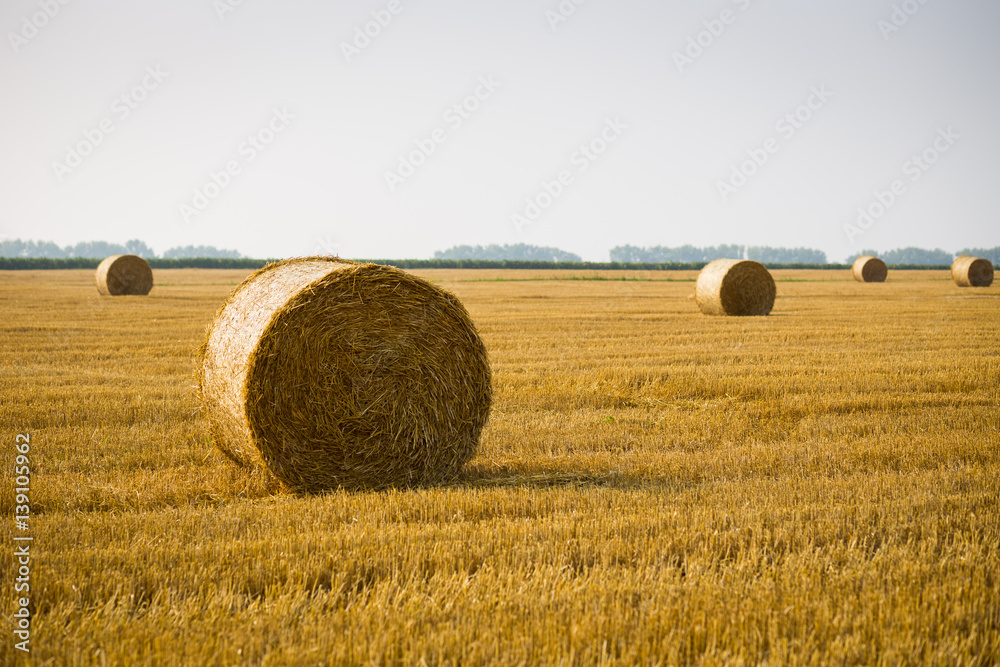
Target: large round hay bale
(330,374)
(124,274)
(735,287)
(969,271)
(868,269)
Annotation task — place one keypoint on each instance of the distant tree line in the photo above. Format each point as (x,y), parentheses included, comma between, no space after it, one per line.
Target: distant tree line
(180,252)
(922,257)
(45,263)
(533,264)
(910,256)
(465,256)
(992,254)
(685,253)
(518,251)
(690,253)
(102,249)
(768,255)
(593,266)
(39,263)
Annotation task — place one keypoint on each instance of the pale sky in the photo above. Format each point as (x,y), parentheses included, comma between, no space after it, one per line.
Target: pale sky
(274,129)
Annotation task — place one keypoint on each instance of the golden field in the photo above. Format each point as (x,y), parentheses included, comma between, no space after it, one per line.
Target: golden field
(655,486)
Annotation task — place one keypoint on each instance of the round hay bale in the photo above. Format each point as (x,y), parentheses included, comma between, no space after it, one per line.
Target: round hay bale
(868,269)
(969,271)
(329,373)
(735,287)
(124,274)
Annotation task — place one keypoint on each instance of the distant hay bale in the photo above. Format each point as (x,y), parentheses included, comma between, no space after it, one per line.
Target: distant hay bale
(329,373)
(969,271)
(735,287)
(124,275)
(868,269)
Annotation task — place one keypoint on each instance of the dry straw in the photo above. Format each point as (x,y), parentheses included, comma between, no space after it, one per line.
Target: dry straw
(735,287)
(969,271)
(868,269)
(330,373)
(124,274)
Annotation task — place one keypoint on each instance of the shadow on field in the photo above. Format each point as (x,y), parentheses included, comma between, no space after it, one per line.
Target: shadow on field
(505,476)
(253,485)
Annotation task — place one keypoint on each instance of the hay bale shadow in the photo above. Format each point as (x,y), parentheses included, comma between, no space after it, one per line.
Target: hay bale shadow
(494,476)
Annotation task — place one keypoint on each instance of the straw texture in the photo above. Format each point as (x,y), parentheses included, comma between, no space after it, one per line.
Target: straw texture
(968,271)
(868,269)
(124,275)
(735,287)
(328,374)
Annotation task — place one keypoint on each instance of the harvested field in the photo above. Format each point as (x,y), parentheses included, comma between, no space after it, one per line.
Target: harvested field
(653,485)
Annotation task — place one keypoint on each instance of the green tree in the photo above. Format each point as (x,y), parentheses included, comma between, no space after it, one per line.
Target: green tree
(518,251)
(769,255)
(992,254)
(911,255)
(181,252)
